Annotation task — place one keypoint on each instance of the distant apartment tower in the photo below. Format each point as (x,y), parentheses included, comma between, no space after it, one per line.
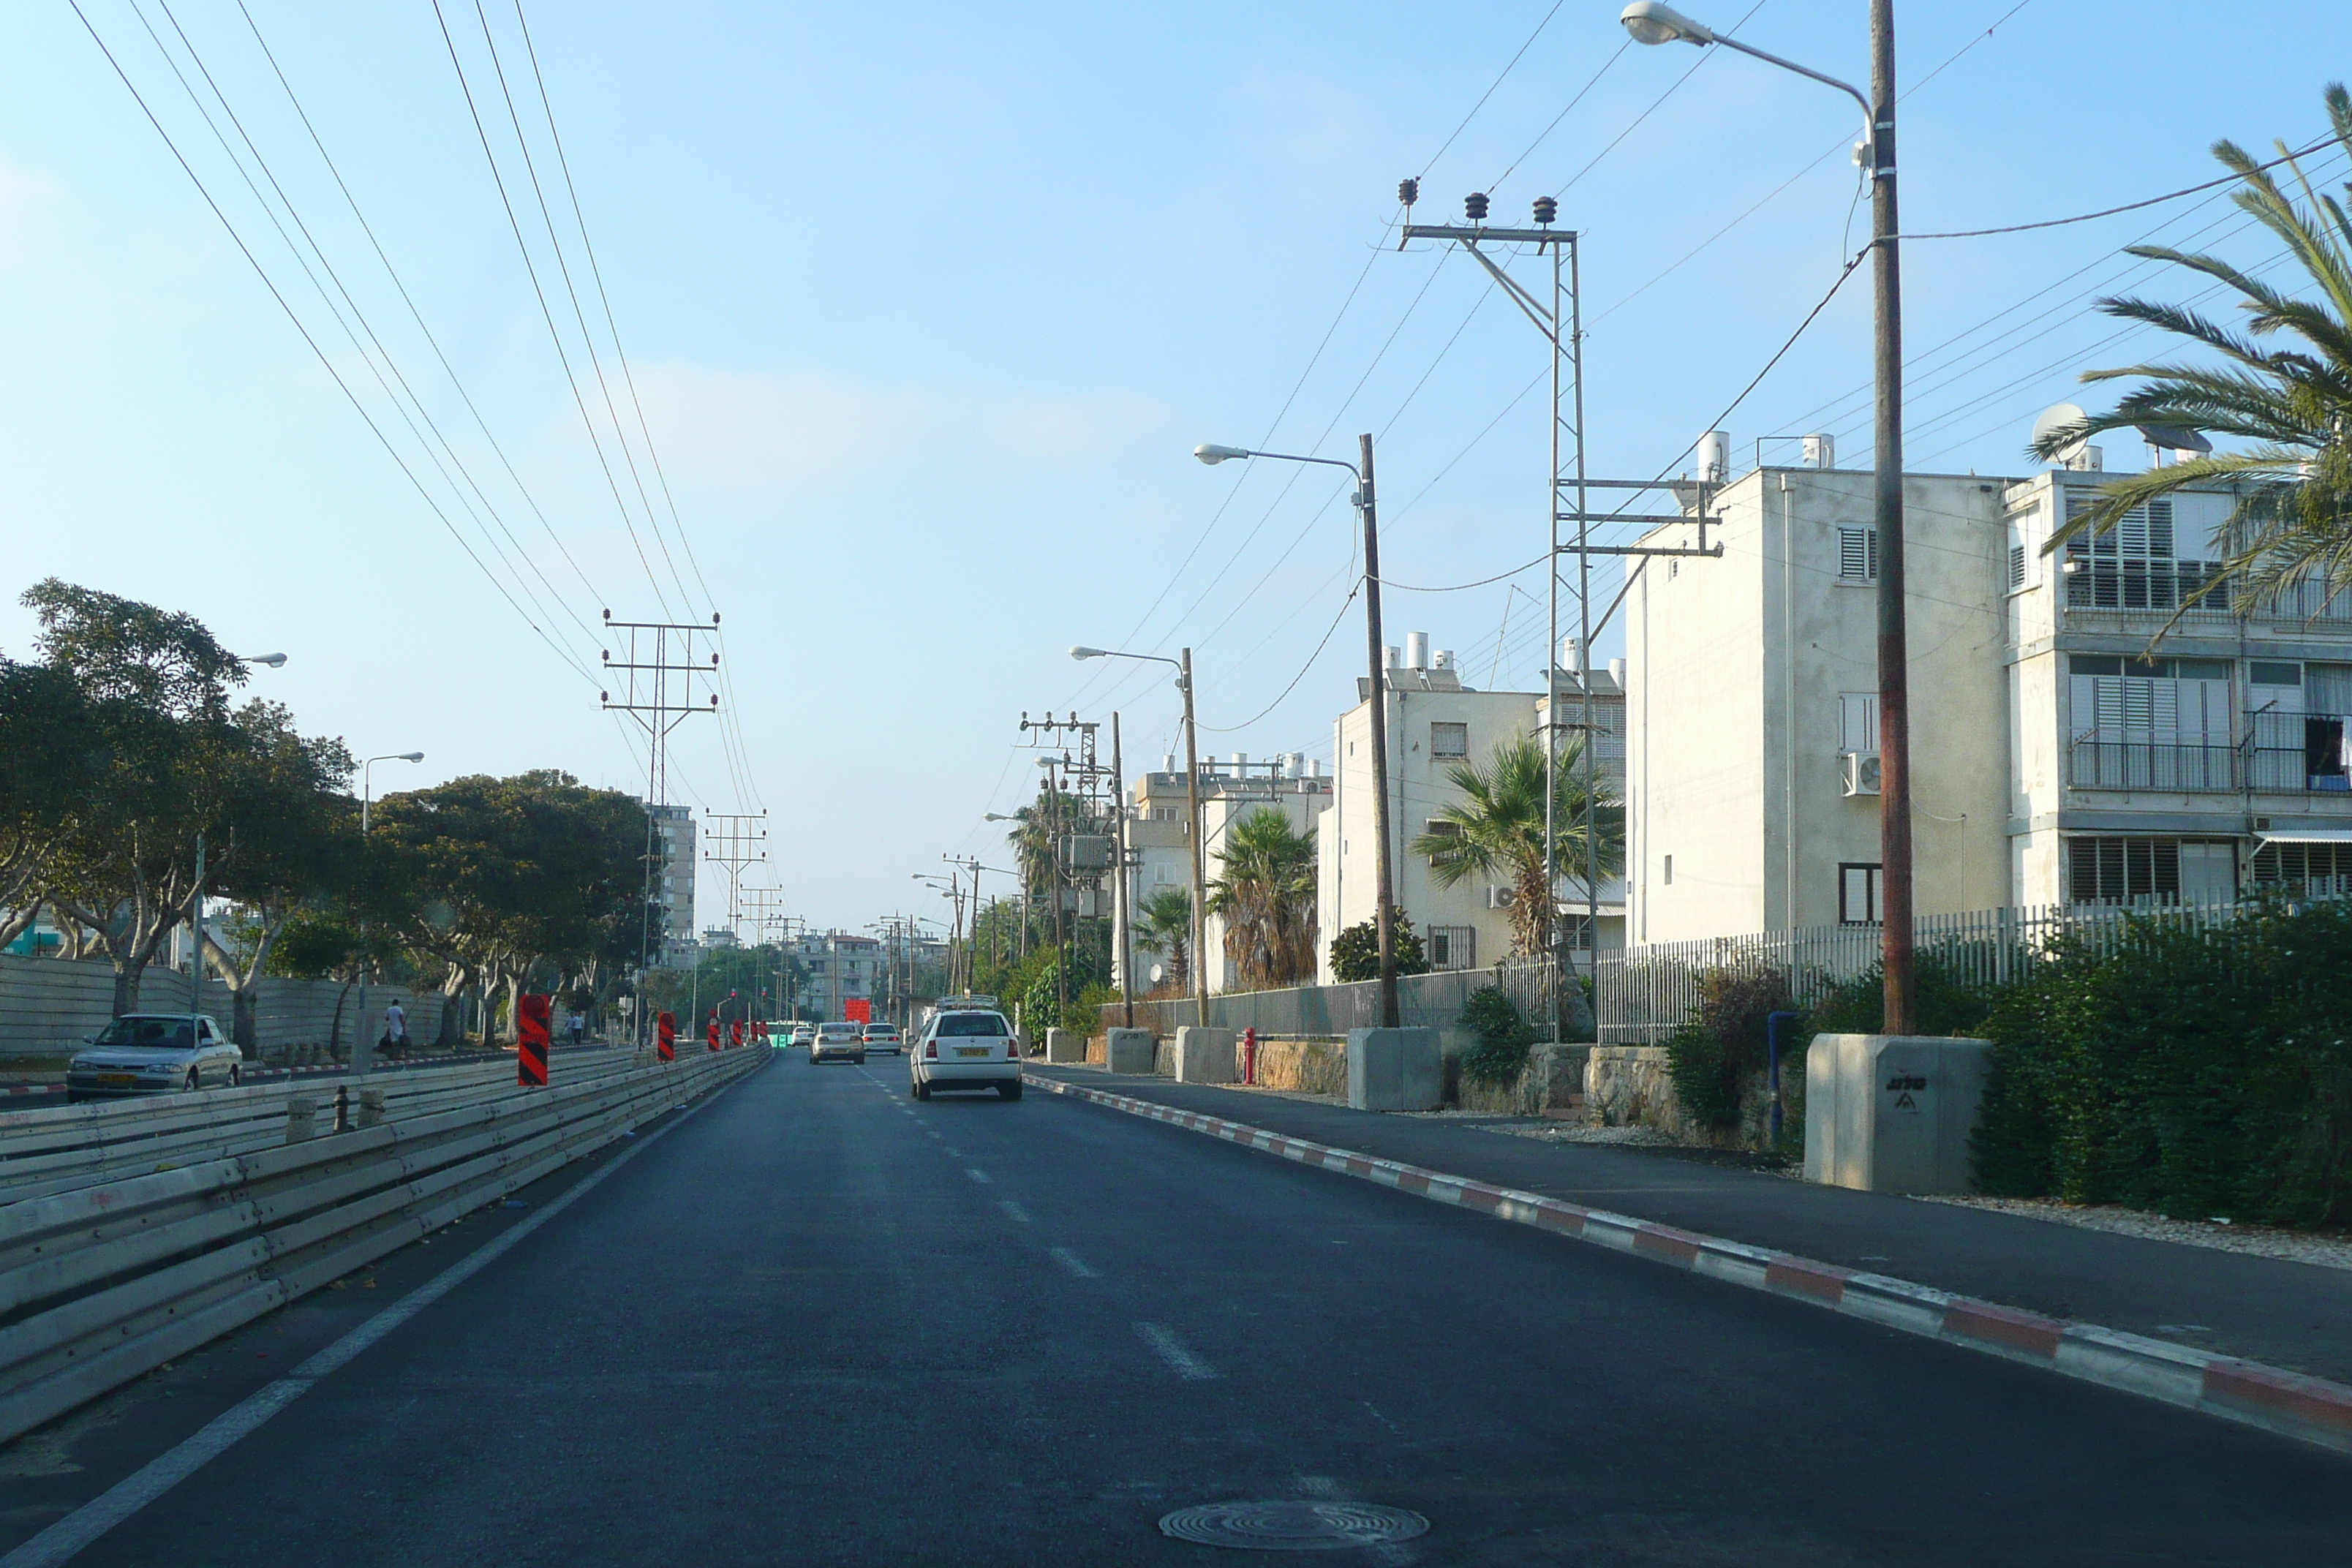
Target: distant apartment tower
(1231,789)
(674,883)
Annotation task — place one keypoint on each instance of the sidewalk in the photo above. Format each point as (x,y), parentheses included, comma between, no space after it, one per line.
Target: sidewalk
(2295,1316)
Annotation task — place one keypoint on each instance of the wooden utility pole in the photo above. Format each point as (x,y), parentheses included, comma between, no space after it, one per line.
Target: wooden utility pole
(1893,657)
(1383,875)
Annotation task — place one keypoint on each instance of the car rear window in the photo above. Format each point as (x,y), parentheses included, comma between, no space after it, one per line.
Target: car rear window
(970,1023)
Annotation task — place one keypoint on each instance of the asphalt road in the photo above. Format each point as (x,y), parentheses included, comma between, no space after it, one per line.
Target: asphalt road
(819,1322)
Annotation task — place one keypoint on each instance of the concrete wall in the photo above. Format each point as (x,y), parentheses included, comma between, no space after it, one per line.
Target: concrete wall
(1426,1001)
(49,1007)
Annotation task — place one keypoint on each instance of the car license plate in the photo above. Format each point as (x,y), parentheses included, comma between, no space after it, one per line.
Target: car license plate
(972,1051)
(117,1079)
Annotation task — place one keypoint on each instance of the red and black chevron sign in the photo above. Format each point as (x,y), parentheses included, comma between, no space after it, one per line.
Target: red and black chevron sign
(530,1041)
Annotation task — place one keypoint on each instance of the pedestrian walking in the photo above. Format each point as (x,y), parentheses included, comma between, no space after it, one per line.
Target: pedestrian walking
(395,1029)
(579,1030)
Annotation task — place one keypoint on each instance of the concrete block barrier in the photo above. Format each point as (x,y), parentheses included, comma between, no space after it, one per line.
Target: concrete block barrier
(1395,1070)
(1129,1051)
(1204,1055)
(1067,1045)
(156,1245)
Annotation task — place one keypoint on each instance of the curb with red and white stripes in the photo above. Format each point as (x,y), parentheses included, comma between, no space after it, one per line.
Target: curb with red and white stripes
(2310,1409)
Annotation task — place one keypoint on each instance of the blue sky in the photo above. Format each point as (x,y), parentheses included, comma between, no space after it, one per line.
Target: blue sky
(926,307)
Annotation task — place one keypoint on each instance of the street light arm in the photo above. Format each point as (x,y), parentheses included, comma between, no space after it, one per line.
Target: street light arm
(1848,88)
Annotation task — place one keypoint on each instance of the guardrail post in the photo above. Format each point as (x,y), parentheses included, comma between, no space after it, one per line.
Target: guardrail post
(370,1107)
(301,1117)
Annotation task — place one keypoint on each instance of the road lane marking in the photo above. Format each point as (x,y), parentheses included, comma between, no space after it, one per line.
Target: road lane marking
(1077,1266)
(70,1535)
(1015,1212)
(1171,1349)
(980,1176)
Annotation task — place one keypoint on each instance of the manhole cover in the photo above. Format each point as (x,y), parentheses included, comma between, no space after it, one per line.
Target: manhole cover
(1293,1526)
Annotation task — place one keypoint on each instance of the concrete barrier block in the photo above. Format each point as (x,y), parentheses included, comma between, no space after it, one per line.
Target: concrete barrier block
(1395,1070)
(1129,1051)
(1891,1113)
(1065,1046)
(1204,1055)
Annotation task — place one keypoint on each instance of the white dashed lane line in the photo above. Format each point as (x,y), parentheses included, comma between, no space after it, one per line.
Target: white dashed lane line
(1078,1267)
(980,1176)
(1171,1350)
(1015,1212)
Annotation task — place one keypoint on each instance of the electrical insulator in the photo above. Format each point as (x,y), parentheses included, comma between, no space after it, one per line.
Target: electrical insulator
(1408,191)
(1474,204)
(1546,209)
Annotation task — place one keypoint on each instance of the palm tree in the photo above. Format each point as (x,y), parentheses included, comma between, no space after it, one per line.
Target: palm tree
(1165,922)
(1497,828)
(2292,522)
(1266,892)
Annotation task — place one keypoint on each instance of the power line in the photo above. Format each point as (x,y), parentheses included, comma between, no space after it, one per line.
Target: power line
(1491,86)
(292,316)
(2127,207)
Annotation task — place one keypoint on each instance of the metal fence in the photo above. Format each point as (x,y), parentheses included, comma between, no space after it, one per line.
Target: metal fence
(1425,1001)
(1642,994)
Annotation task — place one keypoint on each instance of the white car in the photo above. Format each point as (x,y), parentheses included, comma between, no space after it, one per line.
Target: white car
(966,1048)
(154,1052)
(844,1040)
(884,1038)
(802,1034)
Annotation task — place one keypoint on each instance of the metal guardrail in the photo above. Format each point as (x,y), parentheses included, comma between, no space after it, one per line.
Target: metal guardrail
(104,1280)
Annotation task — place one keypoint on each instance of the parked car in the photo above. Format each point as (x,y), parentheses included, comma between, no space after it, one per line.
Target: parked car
(154,1052)
(842,1041)
(885,1037)
(966,1048)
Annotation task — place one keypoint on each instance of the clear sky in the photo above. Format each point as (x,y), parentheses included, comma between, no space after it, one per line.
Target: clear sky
(926,307)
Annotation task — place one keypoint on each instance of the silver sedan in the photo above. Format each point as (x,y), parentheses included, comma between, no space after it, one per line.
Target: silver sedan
(154,1052)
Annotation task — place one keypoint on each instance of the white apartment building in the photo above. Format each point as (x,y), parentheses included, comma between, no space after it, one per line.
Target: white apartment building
(2051,761)
(1435,723)
(674,882)
(1159,838)
(842,968)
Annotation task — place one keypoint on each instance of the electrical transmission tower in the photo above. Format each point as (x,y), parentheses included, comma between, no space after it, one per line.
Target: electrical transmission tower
(733,840)
(1077,828)
(656,668)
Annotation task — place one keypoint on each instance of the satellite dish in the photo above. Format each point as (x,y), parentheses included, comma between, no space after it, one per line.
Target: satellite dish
(2055,418)
(2175,438)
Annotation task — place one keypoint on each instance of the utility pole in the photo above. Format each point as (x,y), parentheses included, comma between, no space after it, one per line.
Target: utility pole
(1384,881)
(1122,900)
(741,842)
(1893,655)
(657,668)
(1200,854)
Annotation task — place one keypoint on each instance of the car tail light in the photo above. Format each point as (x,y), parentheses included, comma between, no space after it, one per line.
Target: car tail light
(930,1050)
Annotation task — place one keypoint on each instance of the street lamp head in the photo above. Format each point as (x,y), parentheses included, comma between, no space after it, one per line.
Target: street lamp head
(1211,453)
(996,816)
(1651,22)
(412,756)
(274,660)
(1083,653)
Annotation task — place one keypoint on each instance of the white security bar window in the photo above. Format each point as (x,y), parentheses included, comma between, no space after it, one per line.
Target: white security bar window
(2150,724)
(2322,867)
(1451,947)
(2130,565)
(1859,886)
(1449,739)
(2104,869)
(1858,554)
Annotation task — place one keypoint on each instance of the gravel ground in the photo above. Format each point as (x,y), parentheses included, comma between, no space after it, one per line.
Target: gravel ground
(2328,1250)
(1580,1132)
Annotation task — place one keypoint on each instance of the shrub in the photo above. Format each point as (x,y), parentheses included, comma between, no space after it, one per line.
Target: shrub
(1500,1055)
(1712,1057)
(1356,952)
(2191,1072)
(1943,1004)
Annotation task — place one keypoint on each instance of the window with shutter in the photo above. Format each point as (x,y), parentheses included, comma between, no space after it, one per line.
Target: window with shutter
(1858,554)
(1449,739)
(1858,722)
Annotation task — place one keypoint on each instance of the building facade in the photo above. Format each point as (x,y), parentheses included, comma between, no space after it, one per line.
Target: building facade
(674,883)
(2054,760)
(1160,843)
(1434,722)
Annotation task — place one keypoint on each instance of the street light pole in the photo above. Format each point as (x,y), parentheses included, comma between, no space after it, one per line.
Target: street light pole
(1652,23)
(362,1049)
(1192,801)
(1383,917)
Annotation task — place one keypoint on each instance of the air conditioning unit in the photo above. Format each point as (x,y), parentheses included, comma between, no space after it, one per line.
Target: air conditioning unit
(1860,772)
(1500,897)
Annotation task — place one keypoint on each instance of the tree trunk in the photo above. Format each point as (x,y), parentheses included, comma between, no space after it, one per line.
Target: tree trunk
(335,1028)
(245,1012)
(129,970)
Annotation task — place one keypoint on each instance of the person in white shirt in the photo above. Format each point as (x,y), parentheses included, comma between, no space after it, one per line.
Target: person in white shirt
(396,1027)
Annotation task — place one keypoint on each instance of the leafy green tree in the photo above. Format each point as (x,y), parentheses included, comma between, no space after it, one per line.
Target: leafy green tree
(1265,891)
(48,769)
(2291,524)
(1356,952)
(1497,829)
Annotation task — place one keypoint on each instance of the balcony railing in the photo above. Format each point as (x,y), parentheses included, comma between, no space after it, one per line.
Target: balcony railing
(2160,766)
(2280,753)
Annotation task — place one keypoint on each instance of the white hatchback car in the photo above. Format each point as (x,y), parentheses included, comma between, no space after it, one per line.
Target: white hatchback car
(966,1048)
